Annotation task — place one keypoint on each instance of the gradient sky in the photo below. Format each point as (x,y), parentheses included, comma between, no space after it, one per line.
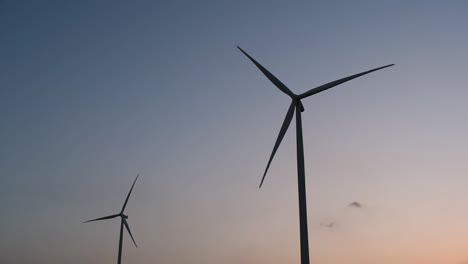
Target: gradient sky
(93,92)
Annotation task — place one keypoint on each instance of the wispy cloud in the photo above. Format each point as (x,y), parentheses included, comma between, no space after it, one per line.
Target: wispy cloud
(329,225)
(355,205)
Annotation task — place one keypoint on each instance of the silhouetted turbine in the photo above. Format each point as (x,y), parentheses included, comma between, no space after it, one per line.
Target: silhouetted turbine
(296,106)
(123,222)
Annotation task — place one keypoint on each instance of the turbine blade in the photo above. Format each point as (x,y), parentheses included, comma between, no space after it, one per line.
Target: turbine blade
(128,196)
(338,82)
(129,232)
(284,128)
(103,218)
(270,76)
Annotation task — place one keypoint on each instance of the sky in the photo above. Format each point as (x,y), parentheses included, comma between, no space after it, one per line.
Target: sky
(94,92)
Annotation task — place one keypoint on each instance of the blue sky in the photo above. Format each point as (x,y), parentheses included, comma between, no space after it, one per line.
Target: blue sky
(93,92)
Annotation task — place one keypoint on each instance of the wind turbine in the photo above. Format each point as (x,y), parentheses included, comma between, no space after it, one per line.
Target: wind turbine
(296,106)
(123,222)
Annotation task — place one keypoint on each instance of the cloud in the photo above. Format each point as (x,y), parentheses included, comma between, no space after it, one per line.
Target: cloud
(329,225)
(355,205)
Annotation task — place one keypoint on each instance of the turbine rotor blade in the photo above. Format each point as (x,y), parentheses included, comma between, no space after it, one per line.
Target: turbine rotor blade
(128,196)
(338,82)
(129,232)
(270,76)
(103,218)
(284,128)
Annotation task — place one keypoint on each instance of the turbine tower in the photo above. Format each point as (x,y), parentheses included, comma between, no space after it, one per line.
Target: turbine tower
(297,107)
(123,222)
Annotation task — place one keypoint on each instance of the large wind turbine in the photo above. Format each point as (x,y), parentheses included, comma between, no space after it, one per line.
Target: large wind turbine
(123,222)
(296,106)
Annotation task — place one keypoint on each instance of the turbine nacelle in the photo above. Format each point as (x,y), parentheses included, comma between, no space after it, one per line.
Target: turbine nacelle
(298,102)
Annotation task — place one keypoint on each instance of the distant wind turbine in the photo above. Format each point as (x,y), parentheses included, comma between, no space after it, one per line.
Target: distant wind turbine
(296,106)
(123,222)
